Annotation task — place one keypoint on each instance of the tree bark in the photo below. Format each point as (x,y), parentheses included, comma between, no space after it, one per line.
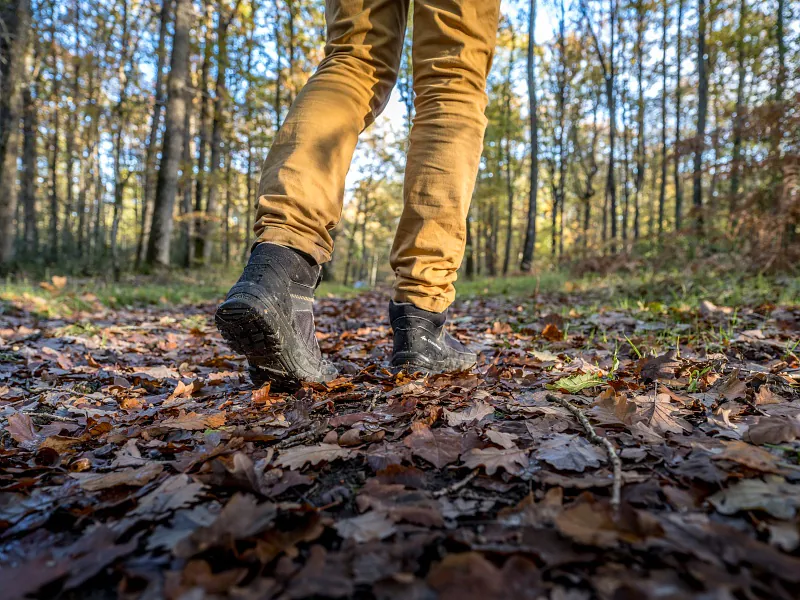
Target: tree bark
(142,245)
(28,176)
(508,161)
(702,109)
(640,105)
(158,250)
(677,149)
(663,186)
(220,105)
(530,229)
(203,138)
(738,119)
(13,43)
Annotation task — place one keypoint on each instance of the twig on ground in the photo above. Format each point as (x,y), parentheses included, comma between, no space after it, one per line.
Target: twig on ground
(456,486)
(44,415)
(296,440)
(616,463)
(752,405)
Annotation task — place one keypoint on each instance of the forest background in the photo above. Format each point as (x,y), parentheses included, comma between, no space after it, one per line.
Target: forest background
(644,130)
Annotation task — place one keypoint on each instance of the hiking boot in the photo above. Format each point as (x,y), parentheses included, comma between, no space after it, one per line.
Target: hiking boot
(268,316)
(422,344)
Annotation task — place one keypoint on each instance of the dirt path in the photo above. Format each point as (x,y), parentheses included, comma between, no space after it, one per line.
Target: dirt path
(135,460)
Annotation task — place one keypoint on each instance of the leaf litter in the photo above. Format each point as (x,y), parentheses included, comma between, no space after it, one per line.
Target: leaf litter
(136,461)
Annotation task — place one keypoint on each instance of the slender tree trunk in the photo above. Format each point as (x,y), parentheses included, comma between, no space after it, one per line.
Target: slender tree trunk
(738,119)
(155,121)
(663,186)
(220,106)
(780,82)
(29,173)
(158,250)
(68,234)
(278,72)
(640,106)
(508,165)
(54,146)
(186,182)
(677,149)
(530,229)
(702,109)
(16,17)
(205,132)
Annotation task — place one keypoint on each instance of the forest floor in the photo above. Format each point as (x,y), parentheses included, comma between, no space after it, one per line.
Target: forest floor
(136,460)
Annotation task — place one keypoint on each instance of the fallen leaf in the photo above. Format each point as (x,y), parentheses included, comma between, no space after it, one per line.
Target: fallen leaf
(297,457)
(475,412)
(370,526)
(570,453)
(439,447)
(772,495)
(513,461)
(658,413)
(136,477)
(774,430)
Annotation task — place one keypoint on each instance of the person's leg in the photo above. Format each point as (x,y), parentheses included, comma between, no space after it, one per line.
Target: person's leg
(303,178)
(268,313)
(452,51)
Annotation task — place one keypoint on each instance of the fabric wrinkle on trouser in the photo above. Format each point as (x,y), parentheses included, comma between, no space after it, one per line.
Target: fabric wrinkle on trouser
(303,178)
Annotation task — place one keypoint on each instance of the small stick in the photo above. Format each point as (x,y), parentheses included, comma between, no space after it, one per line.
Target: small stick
(616,463)
(44,415)
(296,440)
(456,486)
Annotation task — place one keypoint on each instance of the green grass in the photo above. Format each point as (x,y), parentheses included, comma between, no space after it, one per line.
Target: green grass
(663,295)
(79,295)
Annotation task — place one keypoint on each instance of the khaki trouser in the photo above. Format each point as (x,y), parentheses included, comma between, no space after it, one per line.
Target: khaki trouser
(302,181)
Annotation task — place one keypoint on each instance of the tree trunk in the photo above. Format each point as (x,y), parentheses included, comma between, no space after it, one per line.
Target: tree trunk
(155,122)
(640,105)
(205,129)
(186,182)
(702,109)
(278,72)
(16,17)
(677,149)
(663,187)
(738,119)
(29,173)
(220,104)
(508,165)
(158,250)
(530,229)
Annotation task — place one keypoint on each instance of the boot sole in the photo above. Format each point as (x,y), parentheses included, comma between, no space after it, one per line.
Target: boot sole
(255,328)
(413,363)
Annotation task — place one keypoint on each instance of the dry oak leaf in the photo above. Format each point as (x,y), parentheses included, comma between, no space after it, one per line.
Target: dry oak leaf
(370,526)
(21,429)
(552,333)
(242,517)
(185,390)
(475,412)
(748,456)
(194,421)
(662,368)
(774,496)
(657,413)
(296,458)
(593,522)
(501,438)
(513,461)
(440,447)
(774,430)
(570,453)
(137,477)
(612,407)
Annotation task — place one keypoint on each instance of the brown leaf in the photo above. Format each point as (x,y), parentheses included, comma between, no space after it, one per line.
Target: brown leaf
(21,429)
(296,458)
(661,368)
(195,422)
(475,412)
(658,413)
(592,522)
(501,438)
(774,496)
(439,447)
(552,333)
(93,482)
(570,453)
(241,518)
(370,526)
(613,407)
(774,430)
(749,456)
(513,461)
